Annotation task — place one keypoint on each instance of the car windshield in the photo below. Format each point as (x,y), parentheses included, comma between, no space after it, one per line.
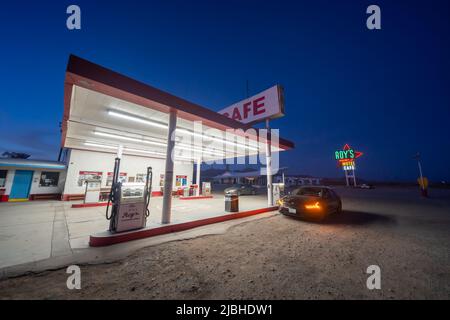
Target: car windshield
(315,192)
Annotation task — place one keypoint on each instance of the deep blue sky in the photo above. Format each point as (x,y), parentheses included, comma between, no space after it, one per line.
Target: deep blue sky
(385,92)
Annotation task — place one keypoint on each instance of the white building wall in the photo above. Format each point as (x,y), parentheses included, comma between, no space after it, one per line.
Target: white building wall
(35,188)
(83,160)
(9,180)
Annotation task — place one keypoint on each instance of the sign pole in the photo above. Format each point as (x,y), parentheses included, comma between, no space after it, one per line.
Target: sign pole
(269,165)
(346,158)
(420,170)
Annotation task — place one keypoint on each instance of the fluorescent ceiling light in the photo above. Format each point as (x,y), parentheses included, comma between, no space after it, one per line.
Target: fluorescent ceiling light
(98,145)
(190,148)
(116,136)
(231,143)
(136,119)
(145,151)
(178,146)
(181,130)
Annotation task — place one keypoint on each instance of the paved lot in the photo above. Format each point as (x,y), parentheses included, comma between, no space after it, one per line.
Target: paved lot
(279,257)
(34,231)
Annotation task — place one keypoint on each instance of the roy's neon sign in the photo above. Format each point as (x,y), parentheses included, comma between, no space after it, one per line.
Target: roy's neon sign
(347,154)
(346,157)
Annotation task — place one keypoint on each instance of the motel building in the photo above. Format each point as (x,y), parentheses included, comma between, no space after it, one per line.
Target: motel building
(23,180)
(258,178)
(107,114)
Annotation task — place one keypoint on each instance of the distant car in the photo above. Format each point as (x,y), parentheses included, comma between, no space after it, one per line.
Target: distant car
(366,186)
(310,202)
(241,189)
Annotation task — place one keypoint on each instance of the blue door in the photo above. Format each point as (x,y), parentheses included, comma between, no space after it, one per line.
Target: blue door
(21,184)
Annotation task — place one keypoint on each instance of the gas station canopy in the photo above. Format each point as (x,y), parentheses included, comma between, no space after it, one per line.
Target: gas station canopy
(104,109)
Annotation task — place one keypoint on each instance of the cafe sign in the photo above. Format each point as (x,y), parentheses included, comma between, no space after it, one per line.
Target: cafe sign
(268,104)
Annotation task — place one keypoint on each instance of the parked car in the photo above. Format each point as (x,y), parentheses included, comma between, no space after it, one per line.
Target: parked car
(366,186)
(310,202)
(241,189)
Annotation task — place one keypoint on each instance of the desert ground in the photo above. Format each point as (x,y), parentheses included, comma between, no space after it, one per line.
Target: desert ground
(279,257)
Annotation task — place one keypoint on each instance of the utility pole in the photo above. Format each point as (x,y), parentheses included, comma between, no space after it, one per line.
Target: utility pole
(417,157)
(419,165)
(422,181)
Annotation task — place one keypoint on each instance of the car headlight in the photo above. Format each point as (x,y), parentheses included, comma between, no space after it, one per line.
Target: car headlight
(280,202)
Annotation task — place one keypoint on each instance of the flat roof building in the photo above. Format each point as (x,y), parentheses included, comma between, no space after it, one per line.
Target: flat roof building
(24,179)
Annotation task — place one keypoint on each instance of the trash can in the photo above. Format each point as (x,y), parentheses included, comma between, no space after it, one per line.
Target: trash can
(231,203)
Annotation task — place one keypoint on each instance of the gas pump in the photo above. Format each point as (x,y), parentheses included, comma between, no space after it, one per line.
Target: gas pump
(92,191)
(129,202)
(206,188)
(278,191)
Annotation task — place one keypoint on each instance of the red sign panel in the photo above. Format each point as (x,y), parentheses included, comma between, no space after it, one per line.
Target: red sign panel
(265,105)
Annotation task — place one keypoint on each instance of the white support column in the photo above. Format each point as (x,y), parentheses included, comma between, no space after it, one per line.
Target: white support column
(197,178)
(119,151)
(168,174)
(269,166)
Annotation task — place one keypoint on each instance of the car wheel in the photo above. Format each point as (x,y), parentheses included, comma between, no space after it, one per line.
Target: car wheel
(339,208)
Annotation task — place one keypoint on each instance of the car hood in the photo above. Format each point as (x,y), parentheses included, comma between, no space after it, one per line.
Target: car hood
(231,189)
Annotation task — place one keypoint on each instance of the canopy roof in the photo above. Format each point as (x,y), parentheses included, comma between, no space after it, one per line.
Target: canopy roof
(32,164)
(104,109)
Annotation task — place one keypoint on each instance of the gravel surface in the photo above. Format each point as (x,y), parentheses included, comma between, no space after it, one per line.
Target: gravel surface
(283,258)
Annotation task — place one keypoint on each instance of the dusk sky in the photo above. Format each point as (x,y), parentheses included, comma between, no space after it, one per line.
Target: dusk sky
(385,92)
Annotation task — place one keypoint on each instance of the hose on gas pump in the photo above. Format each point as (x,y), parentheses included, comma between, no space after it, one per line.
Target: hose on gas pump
(149,190)
(113,196)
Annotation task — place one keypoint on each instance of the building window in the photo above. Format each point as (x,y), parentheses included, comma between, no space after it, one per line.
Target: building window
(3,178)
(90,176)
(141,177)
(49,179)
(122,178)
